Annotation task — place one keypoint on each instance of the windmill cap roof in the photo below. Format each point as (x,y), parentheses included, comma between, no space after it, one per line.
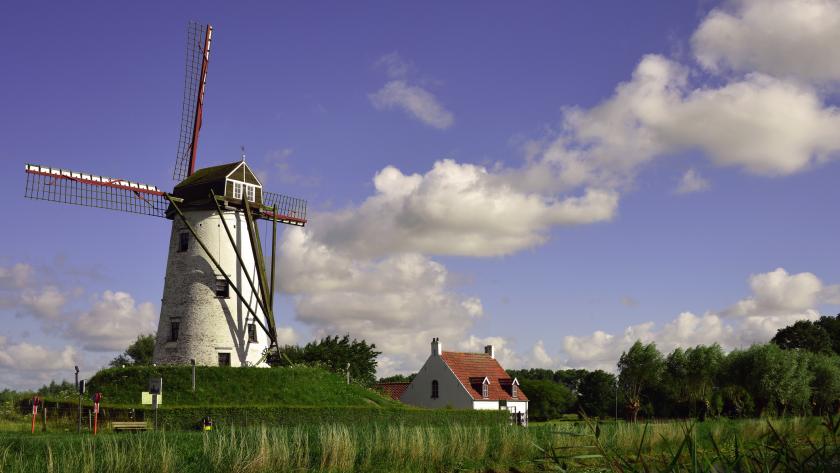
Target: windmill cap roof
(208,175)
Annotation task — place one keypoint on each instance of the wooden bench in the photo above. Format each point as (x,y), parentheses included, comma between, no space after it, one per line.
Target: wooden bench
(132,426)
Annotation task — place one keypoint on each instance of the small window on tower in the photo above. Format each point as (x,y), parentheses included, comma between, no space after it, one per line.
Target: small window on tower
(224,359)
(237,190)
(250,193)
(174,329)
(252,333)
(183,241)
(222,288)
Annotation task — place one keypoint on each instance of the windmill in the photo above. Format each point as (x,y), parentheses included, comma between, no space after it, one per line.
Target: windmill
(218,296)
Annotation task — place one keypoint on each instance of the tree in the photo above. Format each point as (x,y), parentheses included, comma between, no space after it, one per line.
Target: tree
(138,353)
(547,399)
(825,384)
(774,378)
(639,367)
(804,335)
(335,354)
(398,378)
(703,364)
(832,326)
(597,394)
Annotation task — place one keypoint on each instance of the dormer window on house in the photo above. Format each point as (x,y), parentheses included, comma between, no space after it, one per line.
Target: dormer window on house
(513,391)
(485,390)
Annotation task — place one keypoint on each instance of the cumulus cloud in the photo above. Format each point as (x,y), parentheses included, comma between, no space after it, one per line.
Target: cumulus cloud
(415,101)
(691,182)
(456,209)
(399,302)
(113,322)
(778,299)
(16,276)
(43,303)
(783,38)
(27,365)
(761,124)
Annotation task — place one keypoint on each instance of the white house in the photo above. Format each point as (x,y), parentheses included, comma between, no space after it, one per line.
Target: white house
(465,381)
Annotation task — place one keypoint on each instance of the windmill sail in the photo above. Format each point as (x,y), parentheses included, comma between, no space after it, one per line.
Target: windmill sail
(290,210)
(195,78)
(91,190)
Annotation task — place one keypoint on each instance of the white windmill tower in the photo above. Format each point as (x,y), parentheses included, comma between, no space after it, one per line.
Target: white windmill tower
(217,306)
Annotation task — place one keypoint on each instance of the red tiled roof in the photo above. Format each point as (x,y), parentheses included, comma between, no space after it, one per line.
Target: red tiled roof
(394,390)
(479,365)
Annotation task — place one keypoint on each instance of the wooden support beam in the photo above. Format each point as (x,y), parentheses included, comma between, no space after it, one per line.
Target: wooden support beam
(256,246)
(236,251)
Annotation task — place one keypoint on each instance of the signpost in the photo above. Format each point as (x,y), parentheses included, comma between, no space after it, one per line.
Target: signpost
(79,429)
(155,389)
(35,402)
(96,399)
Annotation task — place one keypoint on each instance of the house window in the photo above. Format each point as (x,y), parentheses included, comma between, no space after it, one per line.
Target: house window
(183,242)
(435,393)
(485,390)
(224,359)
(250,193)
(174,329)
(222,288)
(513,391)
(252,333)
(237,190)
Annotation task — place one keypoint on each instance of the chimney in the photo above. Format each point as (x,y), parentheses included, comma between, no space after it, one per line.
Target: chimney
(436,349)
(488,350)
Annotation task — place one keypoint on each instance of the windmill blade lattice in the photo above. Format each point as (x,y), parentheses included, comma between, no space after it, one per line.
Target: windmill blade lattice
(290,210)
(193,85)
(91,190)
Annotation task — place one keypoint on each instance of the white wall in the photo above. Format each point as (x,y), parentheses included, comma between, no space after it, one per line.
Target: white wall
(208,324)
(451,392)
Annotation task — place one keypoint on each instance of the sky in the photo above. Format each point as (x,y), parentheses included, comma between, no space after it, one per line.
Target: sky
(558,179)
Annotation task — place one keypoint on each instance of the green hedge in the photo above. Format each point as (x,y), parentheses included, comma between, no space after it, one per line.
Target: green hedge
(183,418)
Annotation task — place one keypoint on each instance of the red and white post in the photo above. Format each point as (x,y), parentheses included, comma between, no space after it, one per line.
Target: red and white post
(35,401)
(96,398)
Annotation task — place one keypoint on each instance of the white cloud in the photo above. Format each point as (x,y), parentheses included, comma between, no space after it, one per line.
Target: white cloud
(691,182)
(28,357)
(44,303)
(113,322)
(778,299)
(414,100)
(287,336)
(399,302)
(17,276)
(764,125)
(784,38)
(455,209)
(395,66)
(778,292)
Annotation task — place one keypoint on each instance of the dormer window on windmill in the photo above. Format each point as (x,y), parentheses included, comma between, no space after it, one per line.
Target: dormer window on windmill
(242,184)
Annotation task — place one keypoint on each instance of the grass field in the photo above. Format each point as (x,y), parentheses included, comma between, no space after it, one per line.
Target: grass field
(794,444)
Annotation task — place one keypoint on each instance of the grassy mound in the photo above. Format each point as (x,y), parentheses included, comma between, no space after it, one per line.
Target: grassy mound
(217,386)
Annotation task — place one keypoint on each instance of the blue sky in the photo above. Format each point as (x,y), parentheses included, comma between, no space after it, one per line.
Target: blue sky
(556,179)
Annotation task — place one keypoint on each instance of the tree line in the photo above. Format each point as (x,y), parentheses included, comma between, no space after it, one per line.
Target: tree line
(797,373)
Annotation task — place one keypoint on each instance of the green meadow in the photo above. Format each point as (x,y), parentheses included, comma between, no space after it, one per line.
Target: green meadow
(790,444)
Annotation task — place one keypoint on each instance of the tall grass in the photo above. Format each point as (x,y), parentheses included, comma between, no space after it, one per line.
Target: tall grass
(325,448)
